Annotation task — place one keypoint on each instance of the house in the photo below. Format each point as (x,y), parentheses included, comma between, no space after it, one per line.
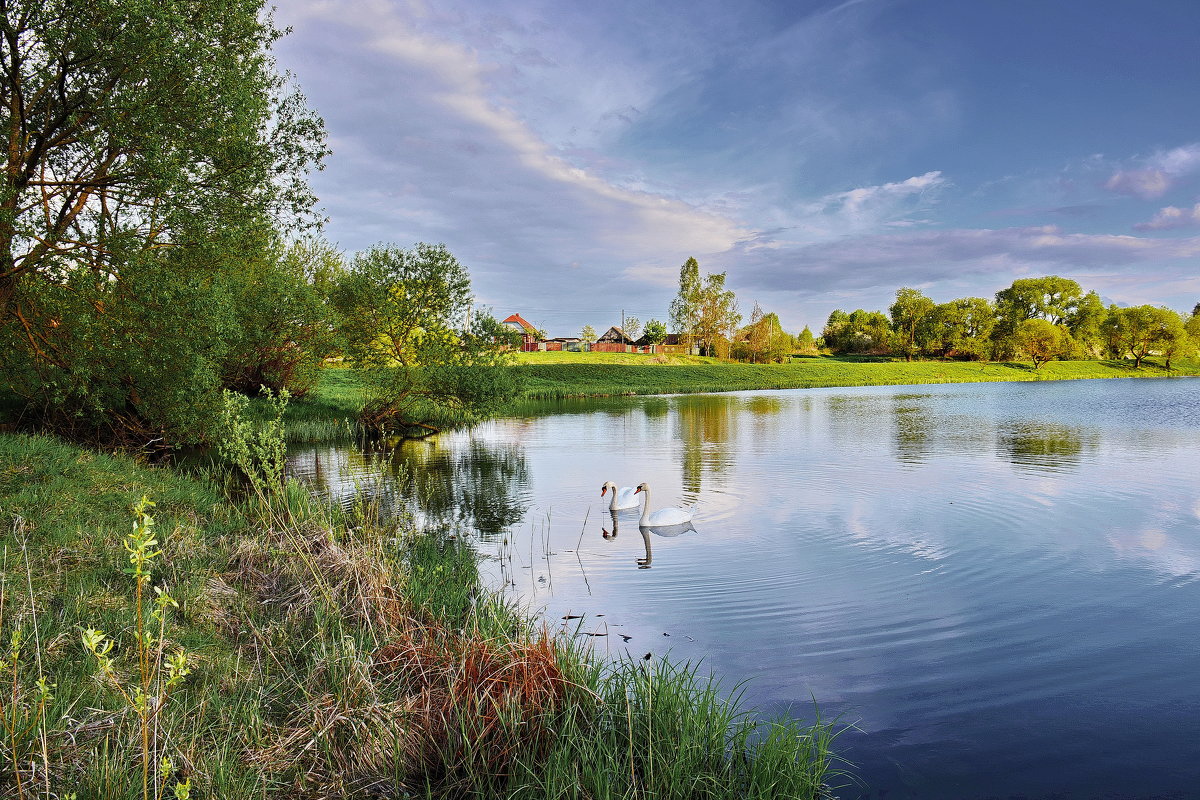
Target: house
(674,343)
(614,340)
(529,334)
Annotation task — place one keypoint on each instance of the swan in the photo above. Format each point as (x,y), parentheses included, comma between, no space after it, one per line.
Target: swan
(622,498)
(664,517)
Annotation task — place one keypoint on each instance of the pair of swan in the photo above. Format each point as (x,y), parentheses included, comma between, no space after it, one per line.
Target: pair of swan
(627,498)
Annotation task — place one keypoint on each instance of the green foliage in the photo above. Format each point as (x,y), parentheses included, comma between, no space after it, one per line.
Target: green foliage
(909,322)
(857,332)
(1041,340)
(655,332)
(1139,330)
(685,308)
(1086,324)
(806,344)
(285,326)
(589,335)
(1049,298)
(150,146)
(404,325)
(255,449)
(962,327)
(718,317)
(157,673)
(764,340)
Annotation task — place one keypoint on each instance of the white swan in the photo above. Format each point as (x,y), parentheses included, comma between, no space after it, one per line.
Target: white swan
(664,517)
(622,498)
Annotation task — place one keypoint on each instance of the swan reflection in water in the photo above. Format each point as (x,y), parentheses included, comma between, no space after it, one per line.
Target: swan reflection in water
(659,530)
(646,530)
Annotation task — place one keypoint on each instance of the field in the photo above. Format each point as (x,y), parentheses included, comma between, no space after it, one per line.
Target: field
(602,377)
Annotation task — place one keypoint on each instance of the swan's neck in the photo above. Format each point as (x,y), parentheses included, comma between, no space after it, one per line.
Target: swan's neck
(645,507)
(612,504)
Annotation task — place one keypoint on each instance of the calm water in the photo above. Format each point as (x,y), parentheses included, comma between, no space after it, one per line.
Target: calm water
(998,583)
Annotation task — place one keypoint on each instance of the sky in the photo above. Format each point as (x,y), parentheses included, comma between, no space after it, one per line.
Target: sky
(821,153)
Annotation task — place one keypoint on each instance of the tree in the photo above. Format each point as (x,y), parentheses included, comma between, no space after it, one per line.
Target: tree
(588,334)
(150,148)
(718,315)
(1173,339)
(806,343)
(908,315)
(285,326)
(633,328)
(685,308)
(1041,340)
(655,332)
(962,327)
(756,336)
(403,314)
(1051,298)
(1086,324)
(857,332)
(1139,329)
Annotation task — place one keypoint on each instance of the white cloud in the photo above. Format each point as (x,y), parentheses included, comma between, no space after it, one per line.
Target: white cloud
(1172,217)
(874,201)
(1156,174)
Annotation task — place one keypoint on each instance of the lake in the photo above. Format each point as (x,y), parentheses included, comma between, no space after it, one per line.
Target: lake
(997,583)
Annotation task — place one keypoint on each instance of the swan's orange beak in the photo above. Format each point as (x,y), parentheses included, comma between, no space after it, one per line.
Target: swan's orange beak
(637,490)
(603,489)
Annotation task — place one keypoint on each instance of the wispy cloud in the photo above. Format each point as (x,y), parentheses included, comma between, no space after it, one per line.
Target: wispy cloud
(423,149)
(1157,173)
(1171,217)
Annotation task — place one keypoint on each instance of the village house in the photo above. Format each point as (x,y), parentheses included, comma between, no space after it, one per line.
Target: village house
(529,334)
(614,340)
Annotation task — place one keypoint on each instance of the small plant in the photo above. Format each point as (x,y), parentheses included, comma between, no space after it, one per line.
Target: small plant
(158,673)
(256,450)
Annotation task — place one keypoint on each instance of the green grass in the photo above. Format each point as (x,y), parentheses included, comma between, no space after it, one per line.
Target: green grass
(331,656)
(572,380)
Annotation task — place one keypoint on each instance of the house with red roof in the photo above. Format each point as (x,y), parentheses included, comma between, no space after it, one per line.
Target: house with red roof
(529,334)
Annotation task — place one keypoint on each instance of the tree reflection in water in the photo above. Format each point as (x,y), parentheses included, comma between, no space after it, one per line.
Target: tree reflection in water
(482,485)
(1044,446)
(449,480)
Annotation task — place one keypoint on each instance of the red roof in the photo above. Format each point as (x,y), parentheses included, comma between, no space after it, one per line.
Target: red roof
(522,322)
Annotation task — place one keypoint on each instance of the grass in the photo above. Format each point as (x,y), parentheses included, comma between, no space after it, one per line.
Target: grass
(330,655)
(568,380)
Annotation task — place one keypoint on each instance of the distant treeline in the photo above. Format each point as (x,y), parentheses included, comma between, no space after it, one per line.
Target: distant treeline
(1036,318)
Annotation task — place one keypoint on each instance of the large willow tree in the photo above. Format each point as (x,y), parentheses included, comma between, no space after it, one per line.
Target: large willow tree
(150,146)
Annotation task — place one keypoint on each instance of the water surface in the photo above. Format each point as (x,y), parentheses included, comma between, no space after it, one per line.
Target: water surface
(998,583)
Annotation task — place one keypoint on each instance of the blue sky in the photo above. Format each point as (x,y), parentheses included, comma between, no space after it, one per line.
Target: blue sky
(823,154)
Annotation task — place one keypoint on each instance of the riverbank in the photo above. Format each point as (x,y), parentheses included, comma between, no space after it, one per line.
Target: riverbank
(600,379)
(325,654)
(329,410)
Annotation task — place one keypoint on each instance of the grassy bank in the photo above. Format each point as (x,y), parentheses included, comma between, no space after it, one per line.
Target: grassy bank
(324,655)
(598,379)
(328,412)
